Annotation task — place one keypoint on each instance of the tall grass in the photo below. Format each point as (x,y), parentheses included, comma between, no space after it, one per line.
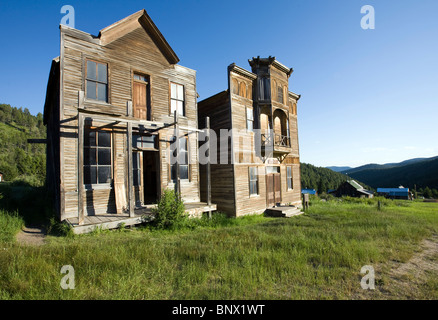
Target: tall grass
(318,255)
(10,224)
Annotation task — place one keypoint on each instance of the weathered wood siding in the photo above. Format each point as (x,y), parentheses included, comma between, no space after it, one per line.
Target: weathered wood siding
(133,52)
(222,175)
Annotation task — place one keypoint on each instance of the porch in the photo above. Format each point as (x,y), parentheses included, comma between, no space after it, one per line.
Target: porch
(141,215)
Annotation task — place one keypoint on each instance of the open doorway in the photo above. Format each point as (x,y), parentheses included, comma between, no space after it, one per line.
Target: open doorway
(151,177)
(146,177)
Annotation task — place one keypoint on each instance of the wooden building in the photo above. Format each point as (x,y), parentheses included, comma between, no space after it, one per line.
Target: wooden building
(352,188)
(114,104)
(255,122)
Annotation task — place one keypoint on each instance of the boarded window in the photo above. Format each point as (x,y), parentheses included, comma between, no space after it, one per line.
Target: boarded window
(242,90)
(249,119)
(97,81)
(289,179)
(253,181)
(177,99)
(97,157)
(183,160)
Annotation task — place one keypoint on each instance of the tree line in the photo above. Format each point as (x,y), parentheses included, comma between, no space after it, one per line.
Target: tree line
(18,158)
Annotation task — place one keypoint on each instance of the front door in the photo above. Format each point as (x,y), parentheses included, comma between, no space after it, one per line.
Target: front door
(273,186)
(141,97)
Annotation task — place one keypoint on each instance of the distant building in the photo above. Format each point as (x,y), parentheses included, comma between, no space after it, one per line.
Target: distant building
(352,189)
(395,193)
(308,191)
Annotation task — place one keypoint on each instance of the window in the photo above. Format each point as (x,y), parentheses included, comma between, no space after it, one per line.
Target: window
(177,99)
(253,181)
(183,161)
(97,157)
(280,94)
(144,142)
(249,119)
(289,179)
(97,81)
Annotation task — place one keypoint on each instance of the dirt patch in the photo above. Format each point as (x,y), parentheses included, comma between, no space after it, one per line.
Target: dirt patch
(32,235)
(409,280)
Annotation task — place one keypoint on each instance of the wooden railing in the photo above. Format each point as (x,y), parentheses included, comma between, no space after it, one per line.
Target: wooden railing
(275,139)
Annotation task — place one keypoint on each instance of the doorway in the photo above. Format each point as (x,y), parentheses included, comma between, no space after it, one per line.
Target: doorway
(146,177)
(273,186)
(151,177)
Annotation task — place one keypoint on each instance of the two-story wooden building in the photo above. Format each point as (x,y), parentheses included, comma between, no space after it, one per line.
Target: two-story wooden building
(257,158)
(114,104)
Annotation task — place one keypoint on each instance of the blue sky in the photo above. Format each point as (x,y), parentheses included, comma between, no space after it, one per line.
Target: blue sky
(367,95)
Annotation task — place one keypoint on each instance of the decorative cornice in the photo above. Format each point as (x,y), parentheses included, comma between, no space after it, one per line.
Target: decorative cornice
(245,73)
(294,95)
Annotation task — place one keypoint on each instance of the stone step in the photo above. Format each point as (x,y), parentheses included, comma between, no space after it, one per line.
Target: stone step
(283,211)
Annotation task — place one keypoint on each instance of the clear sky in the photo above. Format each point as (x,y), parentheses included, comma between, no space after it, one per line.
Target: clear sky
(368,96)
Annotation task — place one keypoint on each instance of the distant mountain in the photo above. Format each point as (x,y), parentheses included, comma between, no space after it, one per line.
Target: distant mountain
(419,172)
(339,169)
(386,165)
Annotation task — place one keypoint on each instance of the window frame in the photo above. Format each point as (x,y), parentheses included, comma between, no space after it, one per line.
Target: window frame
(171,166)
(256,180)
(97,62)
(171,113)
(97,165)
(289,178)
(249,120)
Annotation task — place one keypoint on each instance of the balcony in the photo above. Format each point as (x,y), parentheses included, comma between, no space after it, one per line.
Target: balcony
(275,142)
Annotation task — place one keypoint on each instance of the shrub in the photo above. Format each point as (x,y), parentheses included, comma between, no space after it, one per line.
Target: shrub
(170,211)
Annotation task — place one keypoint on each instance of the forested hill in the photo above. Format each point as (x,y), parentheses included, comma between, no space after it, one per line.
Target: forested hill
(322,179)
(19,159)
(416,175)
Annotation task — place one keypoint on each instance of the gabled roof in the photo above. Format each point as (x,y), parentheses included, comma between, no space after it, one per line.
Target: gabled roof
(356,185)
(130,23)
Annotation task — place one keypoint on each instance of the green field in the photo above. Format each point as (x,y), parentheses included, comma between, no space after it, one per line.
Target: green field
(318,255)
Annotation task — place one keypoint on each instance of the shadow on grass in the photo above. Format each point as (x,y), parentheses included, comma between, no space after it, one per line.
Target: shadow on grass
(31,203)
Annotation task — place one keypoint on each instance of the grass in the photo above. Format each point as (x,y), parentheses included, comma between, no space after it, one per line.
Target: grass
(10,224)
(318,255)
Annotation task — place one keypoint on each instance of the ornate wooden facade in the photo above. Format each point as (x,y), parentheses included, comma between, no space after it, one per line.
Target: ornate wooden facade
(262,167)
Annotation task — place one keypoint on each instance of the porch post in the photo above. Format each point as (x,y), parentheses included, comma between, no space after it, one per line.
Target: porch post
(130,172)
(81,188)
(177,146)
(207,126)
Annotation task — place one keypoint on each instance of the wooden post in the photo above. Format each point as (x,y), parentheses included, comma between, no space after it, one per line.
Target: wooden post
(207,127)
(81,189)
(177,147)
(130,172)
